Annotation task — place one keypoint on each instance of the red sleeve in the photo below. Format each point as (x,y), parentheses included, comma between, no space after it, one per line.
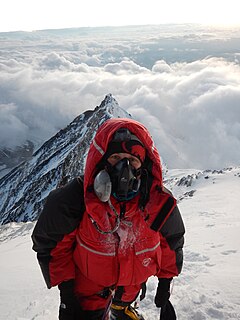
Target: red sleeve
(61,266)
(168,265)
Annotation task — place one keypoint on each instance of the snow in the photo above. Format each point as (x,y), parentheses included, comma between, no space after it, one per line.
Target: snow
(208,287)
(23,294)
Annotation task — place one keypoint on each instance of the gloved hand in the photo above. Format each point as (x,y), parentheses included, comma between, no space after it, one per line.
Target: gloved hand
(163,292)
(69,306)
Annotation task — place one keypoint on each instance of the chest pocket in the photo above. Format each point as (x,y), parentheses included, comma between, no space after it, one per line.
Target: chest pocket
(96,263)
(147,260)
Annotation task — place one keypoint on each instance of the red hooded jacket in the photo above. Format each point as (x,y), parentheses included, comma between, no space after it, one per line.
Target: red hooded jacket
(147,242)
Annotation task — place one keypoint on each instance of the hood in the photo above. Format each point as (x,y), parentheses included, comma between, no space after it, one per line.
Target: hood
(104,214)
(104,135)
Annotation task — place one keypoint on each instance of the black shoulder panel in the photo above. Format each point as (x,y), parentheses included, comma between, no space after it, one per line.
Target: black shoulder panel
(174,225)
(165,210)
(63,209)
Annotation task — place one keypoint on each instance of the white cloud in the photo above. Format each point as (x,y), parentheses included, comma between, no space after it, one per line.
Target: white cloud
(125,66)
(12,130)
(192,109)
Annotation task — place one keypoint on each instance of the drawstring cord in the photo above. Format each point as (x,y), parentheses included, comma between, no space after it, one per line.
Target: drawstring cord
(117,221)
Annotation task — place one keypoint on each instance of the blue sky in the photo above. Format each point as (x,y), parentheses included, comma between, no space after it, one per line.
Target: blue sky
(31,15)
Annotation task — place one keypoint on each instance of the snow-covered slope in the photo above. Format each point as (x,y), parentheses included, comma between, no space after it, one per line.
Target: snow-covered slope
(62,157)
(208,287)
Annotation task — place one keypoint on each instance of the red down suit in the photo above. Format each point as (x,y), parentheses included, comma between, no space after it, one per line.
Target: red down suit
(148,241)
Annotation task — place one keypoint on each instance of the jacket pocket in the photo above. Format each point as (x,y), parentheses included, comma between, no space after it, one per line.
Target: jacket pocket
(96,263)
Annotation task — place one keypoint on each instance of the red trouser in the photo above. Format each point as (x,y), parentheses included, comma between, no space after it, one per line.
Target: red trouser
(93,296)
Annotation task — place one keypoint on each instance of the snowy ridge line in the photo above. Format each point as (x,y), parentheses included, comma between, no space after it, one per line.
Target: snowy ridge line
(14,230)
(58,160)
(184,185)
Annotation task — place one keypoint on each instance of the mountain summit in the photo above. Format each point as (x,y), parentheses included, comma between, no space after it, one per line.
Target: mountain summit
(61,158)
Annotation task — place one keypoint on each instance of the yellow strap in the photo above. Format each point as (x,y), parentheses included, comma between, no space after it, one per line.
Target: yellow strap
(132,314)
(116,307)
(129,312)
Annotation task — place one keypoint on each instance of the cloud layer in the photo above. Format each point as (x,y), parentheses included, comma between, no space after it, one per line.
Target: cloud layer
(192,108)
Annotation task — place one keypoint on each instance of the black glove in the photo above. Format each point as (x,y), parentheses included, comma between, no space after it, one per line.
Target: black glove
(163,292)
(69,306)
